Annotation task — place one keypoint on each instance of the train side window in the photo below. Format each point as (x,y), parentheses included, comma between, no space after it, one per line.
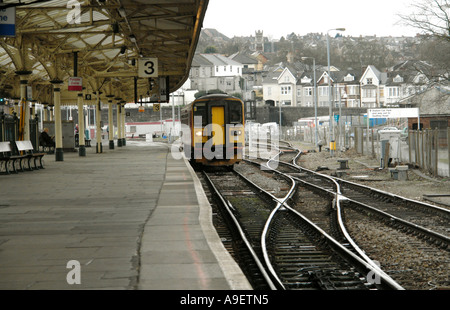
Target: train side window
(235,111)
(201,110)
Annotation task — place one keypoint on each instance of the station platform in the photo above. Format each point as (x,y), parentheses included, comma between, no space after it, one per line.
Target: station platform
(131,218)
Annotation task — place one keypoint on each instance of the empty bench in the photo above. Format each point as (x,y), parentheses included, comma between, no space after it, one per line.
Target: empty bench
(8,159)
(28,152)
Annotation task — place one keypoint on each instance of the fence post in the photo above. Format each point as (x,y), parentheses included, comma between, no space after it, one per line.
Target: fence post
(373,145)
(429,150)
(386,155)
(436,151)
(409,145)
(448,149)
(418,148)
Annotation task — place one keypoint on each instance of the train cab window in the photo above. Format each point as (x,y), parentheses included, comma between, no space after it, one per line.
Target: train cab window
(235,111)
(201,109)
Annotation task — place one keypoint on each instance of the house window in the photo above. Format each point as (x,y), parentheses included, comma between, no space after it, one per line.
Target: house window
(398,79)
(369,93)
(369,81)
(285,90)
(308,91)
(225,68)
(352,89)
(231,68)
(323,91)
(269,91)
(349,78)
(393,91)
(217,69)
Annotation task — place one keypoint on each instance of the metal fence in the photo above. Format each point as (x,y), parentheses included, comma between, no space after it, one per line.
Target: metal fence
(426,149)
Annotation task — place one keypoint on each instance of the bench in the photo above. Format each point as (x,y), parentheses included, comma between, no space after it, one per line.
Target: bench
(27,148)
(6,157)
(50,148)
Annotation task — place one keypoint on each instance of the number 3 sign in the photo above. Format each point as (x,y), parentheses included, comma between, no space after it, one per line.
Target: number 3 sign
(148,67)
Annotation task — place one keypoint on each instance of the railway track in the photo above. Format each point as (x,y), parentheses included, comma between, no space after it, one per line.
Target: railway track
(421,227)
(288,250)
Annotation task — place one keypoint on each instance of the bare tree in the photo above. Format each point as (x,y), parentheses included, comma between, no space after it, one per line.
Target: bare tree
(430,16)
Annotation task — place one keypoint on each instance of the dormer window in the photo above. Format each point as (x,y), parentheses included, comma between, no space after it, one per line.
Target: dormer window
(349,78)
(306,80)
(369,81)
(398,79)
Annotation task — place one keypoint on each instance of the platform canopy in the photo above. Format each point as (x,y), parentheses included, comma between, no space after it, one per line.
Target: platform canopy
(108,37)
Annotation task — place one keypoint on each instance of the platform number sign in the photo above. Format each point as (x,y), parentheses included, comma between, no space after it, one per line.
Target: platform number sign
(148,67)
(7,22)
(156,107)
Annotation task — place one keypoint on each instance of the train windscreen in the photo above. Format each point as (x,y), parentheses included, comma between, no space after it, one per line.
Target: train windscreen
(235,110)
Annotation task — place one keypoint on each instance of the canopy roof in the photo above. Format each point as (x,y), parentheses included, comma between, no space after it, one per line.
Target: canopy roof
(108,37)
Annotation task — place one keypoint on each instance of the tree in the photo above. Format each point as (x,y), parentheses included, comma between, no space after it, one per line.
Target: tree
(210,50)
(430,16)
(433,18)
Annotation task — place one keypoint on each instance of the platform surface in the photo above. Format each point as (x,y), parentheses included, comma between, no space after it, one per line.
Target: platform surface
(133,217)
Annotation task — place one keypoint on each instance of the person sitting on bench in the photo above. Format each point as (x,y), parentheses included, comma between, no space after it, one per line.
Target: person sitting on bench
(46,140)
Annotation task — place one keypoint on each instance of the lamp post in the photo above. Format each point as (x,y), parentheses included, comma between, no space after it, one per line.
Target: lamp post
(329,85)
(314,98)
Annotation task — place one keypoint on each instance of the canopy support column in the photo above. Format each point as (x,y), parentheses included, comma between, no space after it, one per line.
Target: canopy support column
(59,154)
(98,119)
(81,137)
(119,122)
(110,123)
(124,137)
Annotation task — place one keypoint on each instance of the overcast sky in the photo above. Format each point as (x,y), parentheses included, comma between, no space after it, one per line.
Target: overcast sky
(280,17)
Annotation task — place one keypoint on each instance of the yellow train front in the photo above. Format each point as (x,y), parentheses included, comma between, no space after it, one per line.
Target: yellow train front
(213,130)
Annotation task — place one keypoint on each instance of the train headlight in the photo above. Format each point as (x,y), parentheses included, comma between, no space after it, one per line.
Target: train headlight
(237,132)
(199,133)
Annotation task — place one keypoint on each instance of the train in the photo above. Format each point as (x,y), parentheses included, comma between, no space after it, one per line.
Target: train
(212,130)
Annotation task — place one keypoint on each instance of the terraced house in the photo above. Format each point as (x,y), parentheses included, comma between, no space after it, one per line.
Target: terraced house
(215,71)
(370,88)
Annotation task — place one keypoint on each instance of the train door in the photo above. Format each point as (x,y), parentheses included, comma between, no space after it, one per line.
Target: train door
(218,125)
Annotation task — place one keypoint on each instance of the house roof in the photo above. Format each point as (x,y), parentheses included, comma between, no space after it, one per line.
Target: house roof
(199,61)
(220,60)
(381,76)
(243,59)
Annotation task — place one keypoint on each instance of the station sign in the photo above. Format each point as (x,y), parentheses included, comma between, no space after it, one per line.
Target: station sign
(7,22)
(393,113)
(147,67)
(75,84)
